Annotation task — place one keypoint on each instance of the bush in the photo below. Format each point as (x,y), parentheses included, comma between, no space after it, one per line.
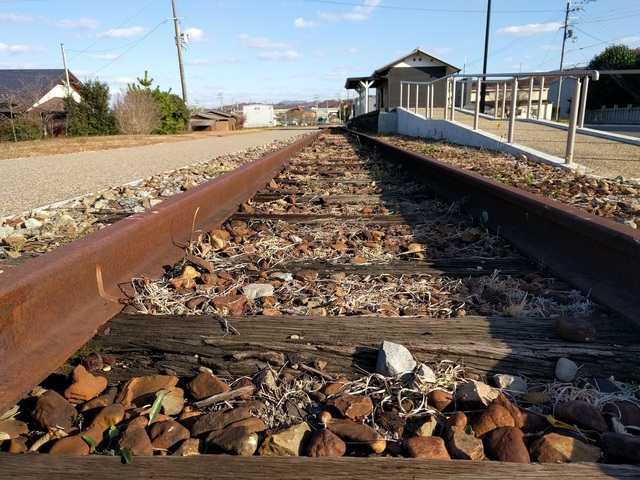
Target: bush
(91,116)
(175,114)
(137,113)
(20,130)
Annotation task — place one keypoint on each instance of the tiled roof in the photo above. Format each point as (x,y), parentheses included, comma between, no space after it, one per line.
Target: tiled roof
(38,80)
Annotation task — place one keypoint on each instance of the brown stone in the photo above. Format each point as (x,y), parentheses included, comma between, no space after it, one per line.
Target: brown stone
(620,446)
(306,275)
(439,399)
(325,443)
(627,413)
(236,440)
(575,329)
(136,440)
(554,448)
(535,398)
(165,435)
(335,387)
(252,424)
(457,420)
(358,433)
(188,448)
(141,391)
(231,304)
(103,400)
(515,412)
(506,444)
(493,417)
(582,414)
(110,415)
(426,447)
(220,419)
(84,386)
(76,444)
(53,410)
(16,445)
(355,407)
(244,382)
(290,441)
(463,446)
(13,428)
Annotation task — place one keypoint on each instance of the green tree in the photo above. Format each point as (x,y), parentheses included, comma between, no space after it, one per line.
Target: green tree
(173,111)
(615,89)
(91,116)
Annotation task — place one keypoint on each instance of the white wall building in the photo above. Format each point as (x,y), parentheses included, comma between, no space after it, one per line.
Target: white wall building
(258,115)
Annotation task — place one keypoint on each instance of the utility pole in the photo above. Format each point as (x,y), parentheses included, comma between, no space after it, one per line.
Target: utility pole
(564,41)
(483,88)
(66,70)
(180,44)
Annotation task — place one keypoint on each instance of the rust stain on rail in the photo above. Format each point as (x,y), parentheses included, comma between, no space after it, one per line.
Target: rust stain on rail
(52,305)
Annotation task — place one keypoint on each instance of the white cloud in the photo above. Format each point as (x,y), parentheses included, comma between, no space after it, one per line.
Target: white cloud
(262,42)
(550,47)
(80,24)
(195,34)
(630,40)
(357,14)
(530,29)
(3,47)
(15,18)
(352,50)
(302,23)
(126,32)
(320,54)
(24,49)
(288,55)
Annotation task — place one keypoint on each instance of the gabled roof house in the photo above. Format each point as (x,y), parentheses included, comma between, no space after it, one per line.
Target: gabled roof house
(417,66)
(44,89)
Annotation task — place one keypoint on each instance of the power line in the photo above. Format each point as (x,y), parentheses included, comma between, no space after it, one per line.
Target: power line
(421,9)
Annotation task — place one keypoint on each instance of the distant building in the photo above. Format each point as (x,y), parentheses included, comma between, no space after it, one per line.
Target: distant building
(300,116)
(258,115)
(213,121)
(38,93)
(417,66)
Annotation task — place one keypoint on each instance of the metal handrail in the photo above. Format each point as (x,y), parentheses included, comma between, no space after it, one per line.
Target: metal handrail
(576,116)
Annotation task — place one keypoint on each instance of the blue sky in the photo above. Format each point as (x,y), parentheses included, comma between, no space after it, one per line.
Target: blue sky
(273,50)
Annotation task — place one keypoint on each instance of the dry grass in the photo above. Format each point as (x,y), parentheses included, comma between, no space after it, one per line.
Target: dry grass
(62,145)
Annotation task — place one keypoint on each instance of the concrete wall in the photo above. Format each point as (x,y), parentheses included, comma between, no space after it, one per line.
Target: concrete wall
(407,123)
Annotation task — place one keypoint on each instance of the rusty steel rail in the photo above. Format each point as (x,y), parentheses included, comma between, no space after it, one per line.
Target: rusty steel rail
(594,254)
(52,305)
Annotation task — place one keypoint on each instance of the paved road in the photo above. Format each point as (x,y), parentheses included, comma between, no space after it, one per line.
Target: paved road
(29,183)
(630,130)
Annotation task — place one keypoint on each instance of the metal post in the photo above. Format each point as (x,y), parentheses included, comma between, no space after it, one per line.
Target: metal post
(477,109)
(433,87)
(540,98)
(529,99)
(453,98)
(583,101)
(401,98)
(503,109)
(417,99)
(514,108)
(176,24)
(573,120)
(486,54)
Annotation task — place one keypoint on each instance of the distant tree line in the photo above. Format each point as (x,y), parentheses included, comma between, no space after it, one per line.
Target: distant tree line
(617,89)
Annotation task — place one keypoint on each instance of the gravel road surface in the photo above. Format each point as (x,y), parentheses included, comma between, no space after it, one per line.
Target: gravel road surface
(29,183)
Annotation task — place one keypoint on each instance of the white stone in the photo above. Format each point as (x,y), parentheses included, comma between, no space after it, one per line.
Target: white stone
(6,231)
(32,223)
(257,290)
(510,383)
(426,374)
(283,276)
(477,393)
(394,359)
(566,370)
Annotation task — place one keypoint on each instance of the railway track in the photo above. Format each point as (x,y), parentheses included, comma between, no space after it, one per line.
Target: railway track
(344,249)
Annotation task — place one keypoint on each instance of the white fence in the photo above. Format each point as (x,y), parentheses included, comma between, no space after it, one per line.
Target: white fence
(614,115)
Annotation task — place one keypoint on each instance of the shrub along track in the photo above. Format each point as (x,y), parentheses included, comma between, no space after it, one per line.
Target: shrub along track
(352,251)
